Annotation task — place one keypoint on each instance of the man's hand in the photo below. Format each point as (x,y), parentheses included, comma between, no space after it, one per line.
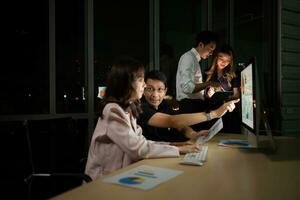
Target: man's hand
(228,106)
(193,135)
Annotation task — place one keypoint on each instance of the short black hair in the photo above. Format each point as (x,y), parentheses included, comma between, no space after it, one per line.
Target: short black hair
(206,37)
(156,75)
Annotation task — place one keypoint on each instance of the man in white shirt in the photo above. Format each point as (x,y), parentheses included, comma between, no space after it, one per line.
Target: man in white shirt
(190,85)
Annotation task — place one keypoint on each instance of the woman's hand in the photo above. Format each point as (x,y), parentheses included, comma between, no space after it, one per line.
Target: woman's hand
(210,92)
(189,142)
(189,148)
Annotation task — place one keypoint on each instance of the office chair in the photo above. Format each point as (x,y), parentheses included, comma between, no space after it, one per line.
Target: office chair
(54,151)
(14,159)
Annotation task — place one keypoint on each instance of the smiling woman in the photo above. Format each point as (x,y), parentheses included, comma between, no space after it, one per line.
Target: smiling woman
(222,70)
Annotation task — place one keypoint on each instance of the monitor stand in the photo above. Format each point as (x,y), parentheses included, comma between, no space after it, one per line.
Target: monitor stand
(269,142)
(258,141)
(251,137)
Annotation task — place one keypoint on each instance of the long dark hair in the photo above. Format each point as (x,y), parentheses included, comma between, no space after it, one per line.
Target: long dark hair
(229,70)
(125,70)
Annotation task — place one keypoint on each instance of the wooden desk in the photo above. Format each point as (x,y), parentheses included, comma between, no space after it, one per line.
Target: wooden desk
(228,174)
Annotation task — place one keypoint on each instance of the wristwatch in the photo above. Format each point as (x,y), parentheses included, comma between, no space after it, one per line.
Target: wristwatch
(208,116)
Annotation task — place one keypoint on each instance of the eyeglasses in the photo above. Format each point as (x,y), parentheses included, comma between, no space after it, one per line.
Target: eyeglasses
(152,90)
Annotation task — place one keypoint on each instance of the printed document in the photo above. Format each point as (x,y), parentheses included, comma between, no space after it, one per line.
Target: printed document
(143,177)
(218,125)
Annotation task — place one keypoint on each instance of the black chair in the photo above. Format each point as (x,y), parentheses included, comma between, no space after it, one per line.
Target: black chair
(14,159)
(55,152)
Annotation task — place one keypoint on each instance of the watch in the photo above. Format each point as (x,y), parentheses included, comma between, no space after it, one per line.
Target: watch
(208,116)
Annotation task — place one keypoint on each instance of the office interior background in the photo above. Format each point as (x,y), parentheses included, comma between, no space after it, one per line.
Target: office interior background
(57,53)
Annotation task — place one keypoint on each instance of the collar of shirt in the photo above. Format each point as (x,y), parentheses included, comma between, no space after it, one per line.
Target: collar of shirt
(161,107)
(194,51)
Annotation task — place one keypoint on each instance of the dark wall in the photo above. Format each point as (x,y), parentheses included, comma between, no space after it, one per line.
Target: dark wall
(290,66)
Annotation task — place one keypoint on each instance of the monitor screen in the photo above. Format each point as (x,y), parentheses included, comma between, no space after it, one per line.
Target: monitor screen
(247,95)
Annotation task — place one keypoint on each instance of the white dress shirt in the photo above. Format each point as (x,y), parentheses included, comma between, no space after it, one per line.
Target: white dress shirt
(189,74)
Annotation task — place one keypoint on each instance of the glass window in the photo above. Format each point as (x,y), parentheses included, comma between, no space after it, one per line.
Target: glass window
(179,25)
(121,29)
(70,69)
(248,30)
(221,20)
(25,67)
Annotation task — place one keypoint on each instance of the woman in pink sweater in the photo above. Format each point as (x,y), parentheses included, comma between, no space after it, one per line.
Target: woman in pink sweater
(117,140)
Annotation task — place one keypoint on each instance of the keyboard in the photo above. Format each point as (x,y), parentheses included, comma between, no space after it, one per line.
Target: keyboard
(196,158)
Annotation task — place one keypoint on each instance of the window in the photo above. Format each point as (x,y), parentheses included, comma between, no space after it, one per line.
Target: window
(24,80)
(70,63)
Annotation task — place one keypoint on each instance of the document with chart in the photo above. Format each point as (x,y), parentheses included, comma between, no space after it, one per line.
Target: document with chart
(143,177)
(218,125)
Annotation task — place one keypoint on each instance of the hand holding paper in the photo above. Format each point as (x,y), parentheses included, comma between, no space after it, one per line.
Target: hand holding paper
(211,132)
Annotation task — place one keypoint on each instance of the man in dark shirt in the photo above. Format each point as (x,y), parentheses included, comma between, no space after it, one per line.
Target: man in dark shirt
(156,133)
(160,123)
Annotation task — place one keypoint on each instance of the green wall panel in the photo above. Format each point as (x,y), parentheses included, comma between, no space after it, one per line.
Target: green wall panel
(291,18)
(291,45)
(292,5)
(291,99)
(290,31)
(290,127)
(290,113)
(291,86)
(290,58)
(291,72)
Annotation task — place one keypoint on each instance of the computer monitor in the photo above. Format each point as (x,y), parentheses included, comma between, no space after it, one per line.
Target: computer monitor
(252,111)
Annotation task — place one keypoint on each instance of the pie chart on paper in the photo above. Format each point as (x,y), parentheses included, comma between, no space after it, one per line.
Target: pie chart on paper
(132,180)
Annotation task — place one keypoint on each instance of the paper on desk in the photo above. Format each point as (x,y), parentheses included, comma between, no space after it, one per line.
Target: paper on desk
(218,125)
(143,177)
(235,143)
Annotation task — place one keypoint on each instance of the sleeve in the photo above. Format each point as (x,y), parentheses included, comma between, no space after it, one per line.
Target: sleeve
(146,115)
(186,73)
(166,108)
(133,143)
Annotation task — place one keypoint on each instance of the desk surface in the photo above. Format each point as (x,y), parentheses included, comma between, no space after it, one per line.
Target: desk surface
(228,174)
